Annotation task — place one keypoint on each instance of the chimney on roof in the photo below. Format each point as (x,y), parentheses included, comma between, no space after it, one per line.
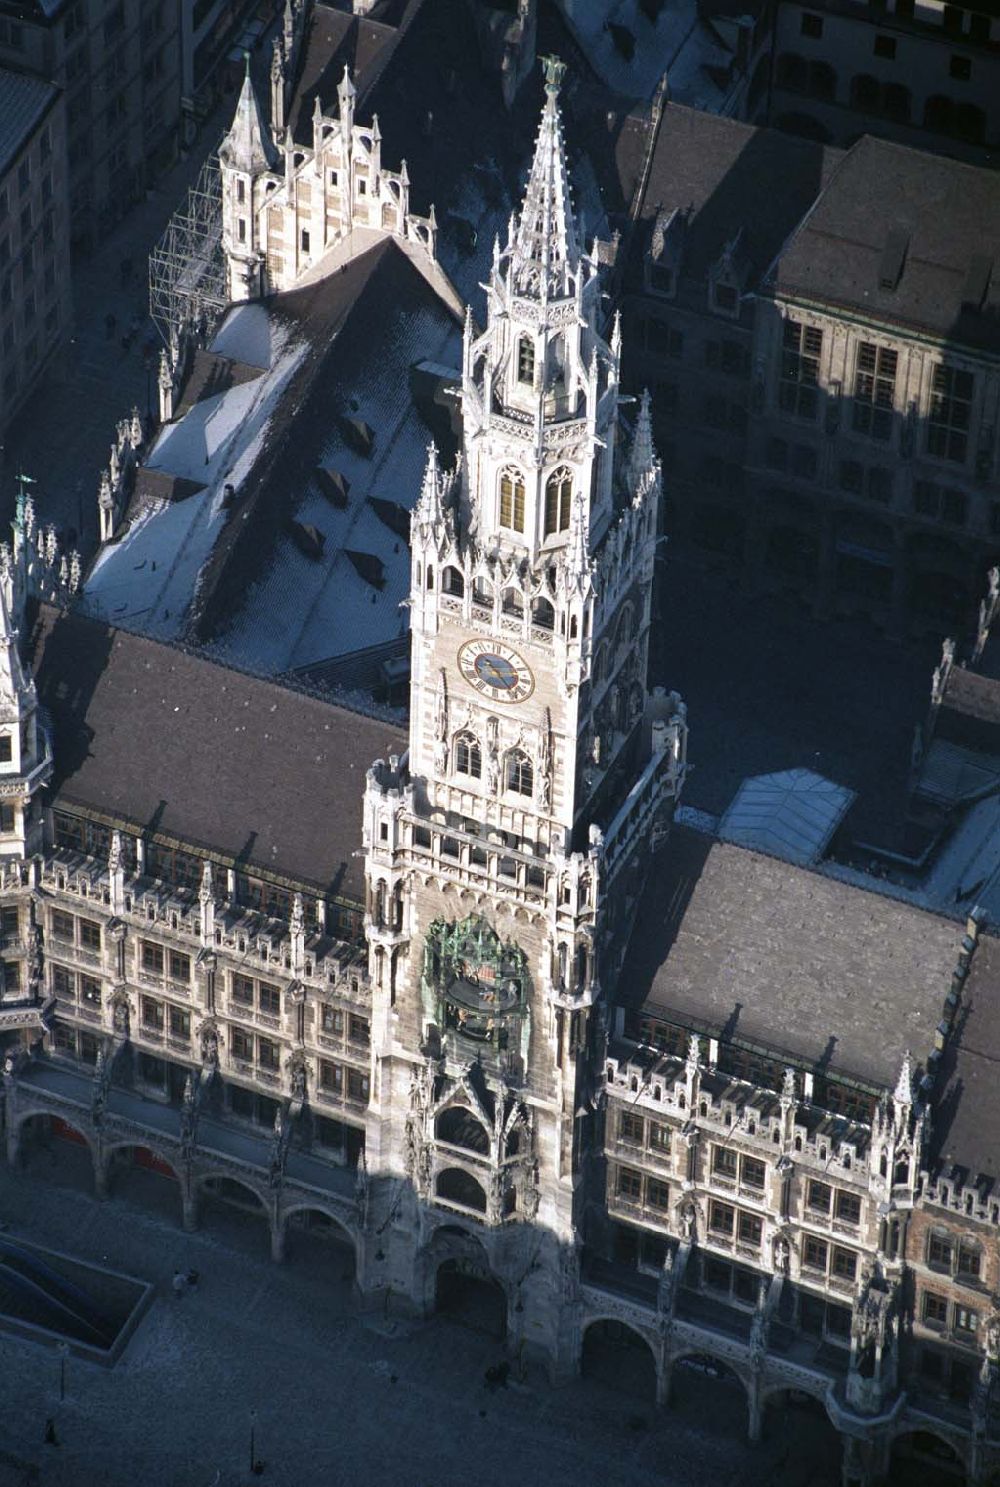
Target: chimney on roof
(893,260)
(977,281)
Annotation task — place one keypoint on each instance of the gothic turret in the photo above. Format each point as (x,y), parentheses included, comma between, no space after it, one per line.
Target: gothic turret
(245,156)
(25,759)
(543,363)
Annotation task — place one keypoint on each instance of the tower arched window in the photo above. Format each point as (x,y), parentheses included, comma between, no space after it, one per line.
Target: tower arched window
(452,582)
(512,500)
(558,500)
(468,756)
(519,775)
(526,361)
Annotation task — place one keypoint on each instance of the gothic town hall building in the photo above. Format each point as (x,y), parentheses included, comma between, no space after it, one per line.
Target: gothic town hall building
(471,998)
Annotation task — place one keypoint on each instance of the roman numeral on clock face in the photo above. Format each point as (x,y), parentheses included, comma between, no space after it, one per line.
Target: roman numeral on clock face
(496,671)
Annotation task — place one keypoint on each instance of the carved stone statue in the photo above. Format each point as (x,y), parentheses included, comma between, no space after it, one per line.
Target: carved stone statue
(441,725)
(210,1046)
(492,756)
(544,779)
(782,1255)
(121,1015)
(689,1220)
(297,1072)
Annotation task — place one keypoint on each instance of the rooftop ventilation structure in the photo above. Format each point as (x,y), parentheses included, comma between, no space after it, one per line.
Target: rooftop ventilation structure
(334,486)
(368,567)
(395,517)
(893,260)
(977,282)
(360,436)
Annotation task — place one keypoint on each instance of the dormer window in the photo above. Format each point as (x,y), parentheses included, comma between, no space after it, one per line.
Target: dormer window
(6,748)
(526,364)
(241,191)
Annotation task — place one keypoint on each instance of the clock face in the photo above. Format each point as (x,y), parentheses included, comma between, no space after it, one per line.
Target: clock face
(496,671)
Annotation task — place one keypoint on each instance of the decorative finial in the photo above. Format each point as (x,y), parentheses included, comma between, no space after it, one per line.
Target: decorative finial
(554,71)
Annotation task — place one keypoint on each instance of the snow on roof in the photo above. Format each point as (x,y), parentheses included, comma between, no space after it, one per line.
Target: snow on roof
(678,44)
(302,610)
(151,575)
(245,335)
(792,814)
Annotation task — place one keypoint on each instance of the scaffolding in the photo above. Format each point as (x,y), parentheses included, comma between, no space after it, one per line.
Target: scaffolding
(187,268)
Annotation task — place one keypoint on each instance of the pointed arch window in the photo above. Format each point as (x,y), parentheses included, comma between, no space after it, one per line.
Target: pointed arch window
(519,774)
(468,756)
(558,500)
(512,500)
(526,361)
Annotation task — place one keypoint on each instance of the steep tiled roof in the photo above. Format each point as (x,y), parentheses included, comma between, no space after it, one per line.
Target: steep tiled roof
(944,216)
(24,102)
(790,959)
(164,740)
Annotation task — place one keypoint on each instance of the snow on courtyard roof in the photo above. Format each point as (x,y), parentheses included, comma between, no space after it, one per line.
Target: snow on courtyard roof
(300,610)
(677,44)
(150,576)
(792,814)
(223,565)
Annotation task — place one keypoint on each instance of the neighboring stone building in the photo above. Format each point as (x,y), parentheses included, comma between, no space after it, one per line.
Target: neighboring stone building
(818,332)
(119,67)
(479,1006)
(35,303)
(921,72)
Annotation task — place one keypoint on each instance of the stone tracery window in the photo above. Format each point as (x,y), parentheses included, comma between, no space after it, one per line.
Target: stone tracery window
(459,1127)
(468,756)
(526,360)
(512,499)
(519,774)
(558,500)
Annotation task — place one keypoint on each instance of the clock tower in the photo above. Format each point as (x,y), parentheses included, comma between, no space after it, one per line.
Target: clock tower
(506,849)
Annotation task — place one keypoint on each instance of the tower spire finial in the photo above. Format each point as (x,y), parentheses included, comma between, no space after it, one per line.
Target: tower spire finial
(545,247)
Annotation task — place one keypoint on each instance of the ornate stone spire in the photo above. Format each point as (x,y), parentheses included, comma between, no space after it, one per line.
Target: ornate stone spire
(13,685)
(643,456)
(544,250)
(903,1093)
(428,509)
(247,146)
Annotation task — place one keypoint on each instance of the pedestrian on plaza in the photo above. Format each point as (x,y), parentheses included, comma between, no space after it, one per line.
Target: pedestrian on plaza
(180,1284)
(110,324)
(192,1279)
(51,1439)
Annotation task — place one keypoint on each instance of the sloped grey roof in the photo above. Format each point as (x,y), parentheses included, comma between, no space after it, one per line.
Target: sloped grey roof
(791,814)
(787,958)
(947,212)
(24,101)
(966,1122)
(166,741)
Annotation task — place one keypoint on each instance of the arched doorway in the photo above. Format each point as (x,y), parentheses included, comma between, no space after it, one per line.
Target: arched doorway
(799,1426)
(921,1456)
(709,1393)
(235,1210)
(315,1240)
(465,1292)
(52,1148)
(620,1358)
(137,1175)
